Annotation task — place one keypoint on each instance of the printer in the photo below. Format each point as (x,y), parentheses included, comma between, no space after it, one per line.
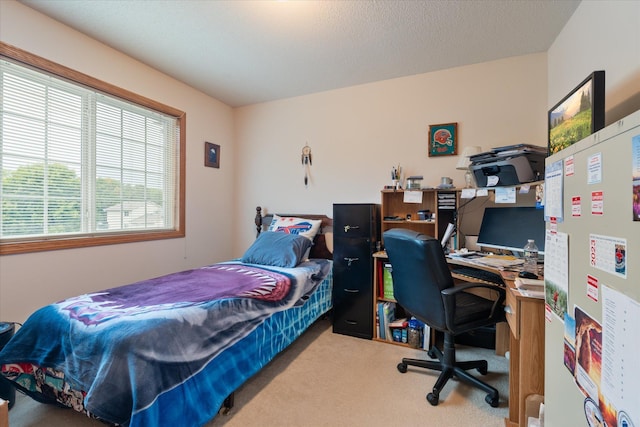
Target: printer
(509,165)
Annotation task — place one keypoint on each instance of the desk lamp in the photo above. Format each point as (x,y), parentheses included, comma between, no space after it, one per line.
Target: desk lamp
(464,162)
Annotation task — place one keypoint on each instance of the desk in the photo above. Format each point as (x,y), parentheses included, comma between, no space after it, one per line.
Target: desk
(525,317)
(4,413)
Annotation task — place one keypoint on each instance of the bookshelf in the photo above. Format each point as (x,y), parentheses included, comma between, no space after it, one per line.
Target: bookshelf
(427,211)
(382,297)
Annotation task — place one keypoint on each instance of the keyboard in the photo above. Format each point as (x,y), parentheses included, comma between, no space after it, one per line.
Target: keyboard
(476,273)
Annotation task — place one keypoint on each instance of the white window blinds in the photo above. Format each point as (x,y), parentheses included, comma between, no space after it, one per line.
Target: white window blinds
(79,162)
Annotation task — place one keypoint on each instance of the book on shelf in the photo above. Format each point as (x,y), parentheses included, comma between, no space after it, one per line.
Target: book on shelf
(380,318)
(387,281)
(386,314)
(399,330)
(399,335)
(380,277)
(399,323)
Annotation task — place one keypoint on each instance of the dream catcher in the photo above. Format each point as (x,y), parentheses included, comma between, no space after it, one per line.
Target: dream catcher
(306,164)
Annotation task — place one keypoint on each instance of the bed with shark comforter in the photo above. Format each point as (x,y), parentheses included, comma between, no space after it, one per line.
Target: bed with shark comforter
(170,350)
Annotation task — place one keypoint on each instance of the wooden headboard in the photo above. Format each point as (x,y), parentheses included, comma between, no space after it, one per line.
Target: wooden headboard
(322,243)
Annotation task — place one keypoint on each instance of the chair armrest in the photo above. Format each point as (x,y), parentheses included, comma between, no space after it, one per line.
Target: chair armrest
(449,299)
(470,285)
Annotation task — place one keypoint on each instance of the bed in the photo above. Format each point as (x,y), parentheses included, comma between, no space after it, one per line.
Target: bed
(172,350)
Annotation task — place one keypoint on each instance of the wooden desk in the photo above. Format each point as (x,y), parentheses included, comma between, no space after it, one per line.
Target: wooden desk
(4,413)
(502,329)
(525,317)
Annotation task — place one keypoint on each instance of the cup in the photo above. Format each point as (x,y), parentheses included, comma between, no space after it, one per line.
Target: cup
(445,181)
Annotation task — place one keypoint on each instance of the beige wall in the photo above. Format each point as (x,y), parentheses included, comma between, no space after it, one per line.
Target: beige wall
(601,35)
(358,133)
(32,280)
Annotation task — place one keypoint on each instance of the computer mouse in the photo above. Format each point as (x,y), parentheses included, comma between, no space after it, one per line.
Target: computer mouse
(527,275)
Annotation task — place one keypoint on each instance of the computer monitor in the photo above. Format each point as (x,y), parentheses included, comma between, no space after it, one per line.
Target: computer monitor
(509,228)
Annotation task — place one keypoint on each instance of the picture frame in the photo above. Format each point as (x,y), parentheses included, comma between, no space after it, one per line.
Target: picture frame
(211,155)
(443,140)
(579,114)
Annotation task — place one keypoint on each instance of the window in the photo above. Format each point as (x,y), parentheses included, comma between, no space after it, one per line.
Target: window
(83,163)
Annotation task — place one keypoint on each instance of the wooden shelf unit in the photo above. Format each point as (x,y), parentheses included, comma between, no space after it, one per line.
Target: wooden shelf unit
(441,202)
(380,258)
(393,205)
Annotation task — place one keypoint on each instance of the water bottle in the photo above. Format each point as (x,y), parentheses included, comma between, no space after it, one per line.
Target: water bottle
(531,257)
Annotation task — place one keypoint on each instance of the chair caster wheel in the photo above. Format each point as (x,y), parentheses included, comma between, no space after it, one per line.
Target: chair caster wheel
(433,399)
(402,367)
(483,370)
(432,354)
(494,401)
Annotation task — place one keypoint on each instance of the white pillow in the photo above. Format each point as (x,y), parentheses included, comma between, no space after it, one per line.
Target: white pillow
(294,225)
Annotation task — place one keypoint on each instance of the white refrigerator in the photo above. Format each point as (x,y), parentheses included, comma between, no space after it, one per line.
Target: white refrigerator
(592,280)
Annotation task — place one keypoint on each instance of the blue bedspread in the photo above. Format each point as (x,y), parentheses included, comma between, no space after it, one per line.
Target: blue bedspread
(126,347)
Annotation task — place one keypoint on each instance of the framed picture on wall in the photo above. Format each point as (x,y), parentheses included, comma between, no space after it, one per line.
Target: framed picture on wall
(443,139)
(577,115)
(211,155)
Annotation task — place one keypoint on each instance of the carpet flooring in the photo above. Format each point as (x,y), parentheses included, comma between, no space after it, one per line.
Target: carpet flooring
(327,379)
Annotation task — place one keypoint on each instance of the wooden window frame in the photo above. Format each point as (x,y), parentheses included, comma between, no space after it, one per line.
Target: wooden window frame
(47,243)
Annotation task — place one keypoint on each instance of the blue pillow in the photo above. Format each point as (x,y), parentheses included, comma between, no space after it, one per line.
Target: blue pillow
(277,249)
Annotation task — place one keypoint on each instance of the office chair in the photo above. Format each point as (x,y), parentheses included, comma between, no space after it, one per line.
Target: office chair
(424,287)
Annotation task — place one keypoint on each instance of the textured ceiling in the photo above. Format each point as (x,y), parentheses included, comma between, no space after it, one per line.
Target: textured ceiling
(245,52)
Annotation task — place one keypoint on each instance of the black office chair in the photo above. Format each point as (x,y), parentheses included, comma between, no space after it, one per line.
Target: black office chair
(423,286)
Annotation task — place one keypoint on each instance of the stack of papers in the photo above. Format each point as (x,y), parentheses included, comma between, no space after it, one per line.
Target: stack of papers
(465,254)
(531,293)
(533,284)
(499,261)
(532,288)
